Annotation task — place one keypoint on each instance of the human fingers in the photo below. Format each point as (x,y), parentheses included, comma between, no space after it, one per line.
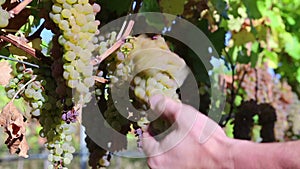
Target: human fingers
(165,106)
(149,144)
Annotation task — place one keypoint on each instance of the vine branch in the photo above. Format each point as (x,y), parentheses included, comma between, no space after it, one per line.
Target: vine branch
(16,10)
(115,46)
(22,44)
(16,41)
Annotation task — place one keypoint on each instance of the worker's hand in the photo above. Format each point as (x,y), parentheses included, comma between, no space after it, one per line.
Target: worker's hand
(195,141)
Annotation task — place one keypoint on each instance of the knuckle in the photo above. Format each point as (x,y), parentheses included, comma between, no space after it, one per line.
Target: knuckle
(153,163)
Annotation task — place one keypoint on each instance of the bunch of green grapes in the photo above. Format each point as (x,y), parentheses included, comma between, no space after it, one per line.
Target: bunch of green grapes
(33,93)
(152,69)
(44,105)
(4,16)
(58,134)
(151,82)
(76,20)
(61,149)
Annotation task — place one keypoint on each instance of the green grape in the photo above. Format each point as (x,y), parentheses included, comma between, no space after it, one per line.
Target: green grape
(58,151)
(56,8)
(51,166)
(68,138)
(36,112)
(55,17)
(67,6)
(50,157)
(71,1)
(10,93)
(65,146)
(56,158)
(4,17)
(74,75)
(67,160)
(71,150)
(68,155)
(66,13)
(69,56)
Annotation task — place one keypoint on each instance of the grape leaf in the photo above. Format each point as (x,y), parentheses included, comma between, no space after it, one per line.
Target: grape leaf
(234,9)
(243,58)
(242,37)
(150,6)
(175,7)
(298,75)
(120,7)
(5,68)
(252,9)
(272,58)
(14,125)
(221,7)
(4,51)
(253,59)
(292,46)
(217,38)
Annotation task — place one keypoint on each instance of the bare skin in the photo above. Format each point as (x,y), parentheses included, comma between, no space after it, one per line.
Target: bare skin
(217,151)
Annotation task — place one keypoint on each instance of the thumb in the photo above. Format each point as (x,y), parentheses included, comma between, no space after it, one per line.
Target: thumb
(165,106)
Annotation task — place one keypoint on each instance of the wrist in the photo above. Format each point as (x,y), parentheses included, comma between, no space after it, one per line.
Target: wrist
(221,151)
(247,154)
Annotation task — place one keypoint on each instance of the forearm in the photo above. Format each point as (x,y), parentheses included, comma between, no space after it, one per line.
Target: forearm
(247,154)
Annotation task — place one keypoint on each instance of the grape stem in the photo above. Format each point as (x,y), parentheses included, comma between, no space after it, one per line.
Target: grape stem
(116,45)
(31,80)
(16,10)
(100,79)
(121,31)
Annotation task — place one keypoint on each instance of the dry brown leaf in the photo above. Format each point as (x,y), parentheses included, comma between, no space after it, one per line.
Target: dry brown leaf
(5,75)
(13,123)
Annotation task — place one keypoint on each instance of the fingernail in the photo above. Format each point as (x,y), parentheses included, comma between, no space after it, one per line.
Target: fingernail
(157,103)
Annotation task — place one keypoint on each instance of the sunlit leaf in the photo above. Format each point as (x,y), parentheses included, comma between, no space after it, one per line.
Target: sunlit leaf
(272,58)
(298,75)
(175,7)
(292,47)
